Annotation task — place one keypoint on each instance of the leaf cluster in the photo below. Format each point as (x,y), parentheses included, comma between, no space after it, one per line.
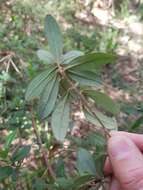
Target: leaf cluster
(68,76)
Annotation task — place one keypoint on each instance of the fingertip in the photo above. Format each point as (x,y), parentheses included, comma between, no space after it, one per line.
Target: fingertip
(118,146)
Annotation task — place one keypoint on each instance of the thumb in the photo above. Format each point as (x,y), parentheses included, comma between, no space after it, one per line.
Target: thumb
(127,162)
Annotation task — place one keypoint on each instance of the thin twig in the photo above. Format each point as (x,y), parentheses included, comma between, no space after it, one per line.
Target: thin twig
(4,58)
(15,67)
(43,151)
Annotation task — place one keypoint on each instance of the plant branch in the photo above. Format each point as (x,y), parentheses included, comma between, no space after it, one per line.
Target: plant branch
(86,104)
(43,151)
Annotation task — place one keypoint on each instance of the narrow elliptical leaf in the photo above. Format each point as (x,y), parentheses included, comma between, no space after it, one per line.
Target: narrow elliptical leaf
(103,101)
(85,162)
(45,56)
(21,153)
(69,56)
(61,119)
(48,97)
(108,122)
(95,139)
(54,36)
(91,62)
(9,140)
(37,85)
(85,78)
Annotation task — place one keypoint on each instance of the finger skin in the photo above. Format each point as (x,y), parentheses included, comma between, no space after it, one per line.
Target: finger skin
(115,184)
(136,138)
(127,162)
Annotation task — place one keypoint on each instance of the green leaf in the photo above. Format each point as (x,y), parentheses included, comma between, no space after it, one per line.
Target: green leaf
(38,84)
(91,141)
(85,162)
(85,78)
(80,181)
(95,139)
(48,97)
(64,86)
(39,184)
(64,183)
(69,56)
(9,140)
(60,119)
(76,140)
(21,153)
(99,160)
(3,154)
(100,156)
(45,56)
(60,168)
(91,62)
(136,125)
(53,34)
(5,172)
(109,122)
(103,101)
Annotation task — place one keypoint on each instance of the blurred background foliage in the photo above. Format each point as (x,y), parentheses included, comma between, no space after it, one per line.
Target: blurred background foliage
(88,25)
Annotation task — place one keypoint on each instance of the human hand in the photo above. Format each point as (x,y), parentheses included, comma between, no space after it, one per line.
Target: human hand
(125,161)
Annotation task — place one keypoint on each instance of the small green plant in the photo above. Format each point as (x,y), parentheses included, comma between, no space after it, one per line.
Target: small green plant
(68,78)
